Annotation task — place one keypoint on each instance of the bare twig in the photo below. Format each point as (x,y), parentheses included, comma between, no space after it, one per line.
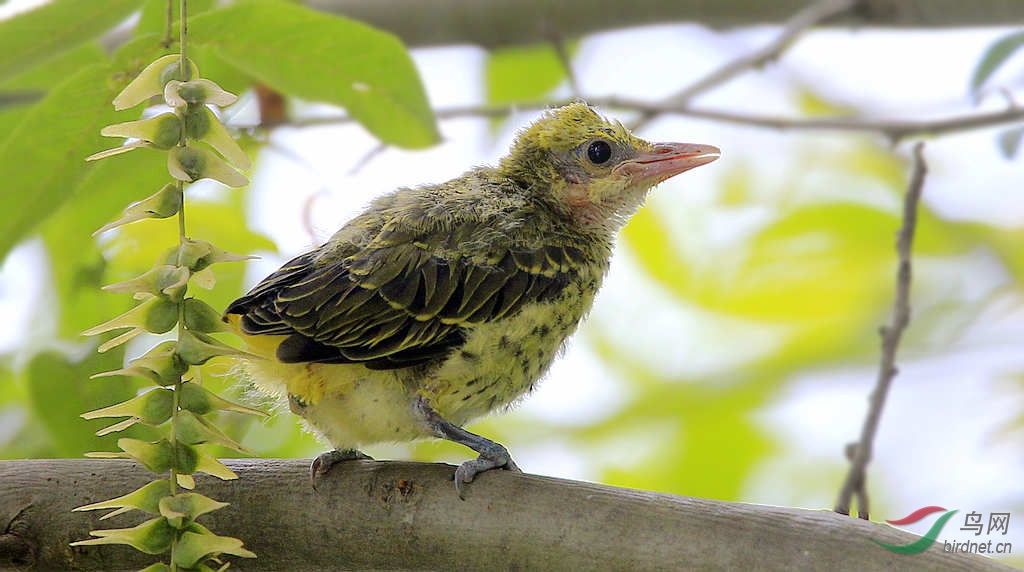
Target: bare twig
(854,485)
(558,42)
(812,15)
(365,160)
(894,129)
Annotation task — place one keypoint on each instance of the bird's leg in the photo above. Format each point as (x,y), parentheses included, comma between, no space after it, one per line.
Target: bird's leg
(492,455)
(324,462)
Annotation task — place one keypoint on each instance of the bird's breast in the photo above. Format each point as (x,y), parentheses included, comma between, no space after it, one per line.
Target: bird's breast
(503,360)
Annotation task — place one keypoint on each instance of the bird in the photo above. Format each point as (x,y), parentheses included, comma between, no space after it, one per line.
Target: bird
(441,303)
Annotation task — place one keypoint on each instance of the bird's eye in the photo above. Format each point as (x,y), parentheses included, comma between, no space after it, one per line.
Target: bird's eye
(599,152)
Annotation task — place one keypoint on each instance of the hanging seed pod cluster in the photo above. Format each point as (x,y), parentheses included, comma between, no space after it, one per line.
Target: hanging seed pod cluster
(198,147)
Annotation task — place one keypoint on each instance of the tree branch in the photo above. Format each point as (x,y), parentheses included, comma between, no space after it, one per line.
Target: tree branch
(812,15)
(855,483)
(388,515)
(509,22)
(893,129)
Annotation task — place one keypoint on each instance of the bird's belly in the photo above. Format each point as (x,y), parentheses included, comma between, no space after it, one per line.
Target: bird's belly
(347,404)
(502,361)
(352,406)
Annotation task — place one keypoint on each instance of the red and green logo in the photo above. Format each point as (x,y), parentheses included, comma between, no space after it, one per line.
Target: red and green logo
(923,543)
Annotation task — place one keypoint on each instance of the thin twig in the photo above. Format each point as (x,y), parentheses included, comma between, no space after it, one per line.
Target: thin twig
(894,129)
(365,160)
(558,42)
(810,16)
(891,334)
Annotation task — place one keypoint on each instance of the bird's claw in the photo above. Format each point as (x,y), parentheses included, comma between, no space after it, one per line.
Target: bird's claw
(468,470)
(324,462)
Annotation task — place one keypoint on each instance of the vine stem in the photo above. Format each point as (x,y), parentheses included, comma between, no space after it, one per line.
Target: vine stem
(186,75)
(186,72)
(181,325)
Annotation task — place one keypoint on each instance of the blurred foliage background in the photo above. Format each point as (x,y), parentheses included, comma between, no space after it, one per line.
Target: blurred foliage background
(731,353)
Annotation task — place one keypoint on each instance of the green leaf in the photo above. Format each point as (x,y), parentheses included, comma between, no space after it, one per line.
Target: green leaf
(994,57)
(522,73)
(32,38)
(324,58)
(58,391)
(78,268)
(42,78)
(39,159)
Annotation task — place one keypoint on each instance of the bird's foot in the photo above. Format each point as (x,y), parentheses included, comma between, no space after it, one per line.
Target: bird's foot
(492,455)
(324,462)
(468,470)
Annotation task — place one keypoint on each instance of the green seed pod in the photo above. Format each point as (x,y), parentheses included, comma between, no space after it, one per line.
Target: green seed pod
(152,408)
(161,317)
(154,536)
(196,348)
(173,72)
(199,400)
(186,458)
(164,203)
(197,92)
(151,81)
(201,317)
(197,119)
(192,163)
(161,132)
(158,457)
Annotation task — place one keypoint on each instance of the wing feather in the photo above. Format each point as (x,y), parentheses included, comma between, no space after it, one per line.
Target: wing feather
(396,304)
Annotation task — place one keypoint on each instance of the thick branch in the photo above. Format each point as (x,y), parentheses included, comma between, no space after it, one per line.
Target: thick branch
(397,515)
(505,22)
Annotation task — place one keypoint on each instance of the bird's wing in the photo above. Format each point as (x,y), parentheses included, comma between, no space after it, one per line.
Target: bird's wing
(397,302)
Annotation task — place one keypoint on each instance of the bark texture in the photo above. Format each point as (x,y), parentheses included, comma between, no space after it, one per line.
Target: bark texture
(369,515)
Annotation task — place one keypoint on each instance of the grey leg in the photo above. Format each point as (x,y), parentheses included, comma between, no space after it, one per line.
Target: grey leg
(492,455)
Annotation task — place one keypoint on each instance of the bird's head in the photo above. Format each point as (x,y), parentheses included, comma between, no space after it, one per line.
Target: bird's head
(594,170)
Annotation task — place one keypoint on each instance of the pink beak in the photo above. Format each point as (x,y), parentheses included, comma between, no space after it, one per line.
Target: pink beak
(667,160)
